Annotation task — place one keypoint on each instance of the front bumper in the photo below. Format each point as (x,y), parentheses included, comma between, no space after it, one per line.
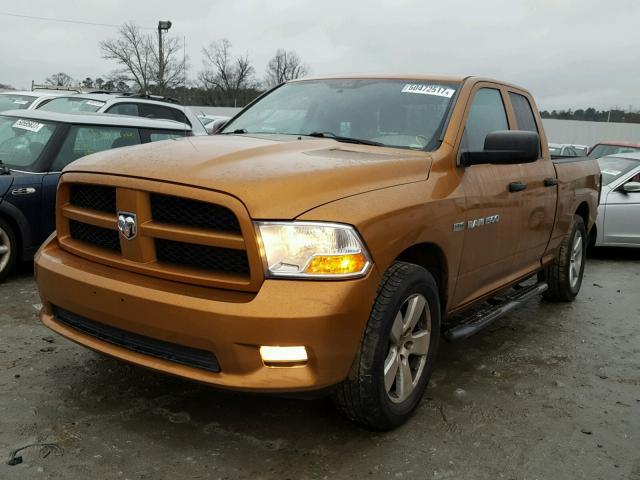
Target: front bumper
(327,317)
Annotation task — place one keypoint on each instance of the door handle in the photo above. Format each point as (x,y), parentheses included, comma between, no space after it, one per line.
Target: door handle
(550,182)
(23,191)
(517,186)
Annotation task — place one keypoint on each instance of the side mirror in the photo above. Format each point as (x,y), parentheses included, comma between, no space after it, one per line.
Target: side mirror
(506,147)
(631,187)
(218,125)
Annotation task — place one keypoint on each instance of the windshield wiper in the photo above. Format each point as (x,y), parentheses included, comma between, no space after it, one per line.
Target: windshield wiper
(4,170)
(339,138)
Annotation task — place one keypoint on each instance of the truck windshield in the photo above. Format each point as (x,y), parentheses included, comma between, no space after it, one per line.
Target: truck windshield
(72,104)
(22,141)
(613,168)
(14,101)
(393,113)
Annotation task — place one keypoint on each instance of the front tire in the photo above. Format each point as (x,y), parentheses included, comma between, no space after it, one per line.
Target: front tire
(8,249)
(396,356)
(564,274)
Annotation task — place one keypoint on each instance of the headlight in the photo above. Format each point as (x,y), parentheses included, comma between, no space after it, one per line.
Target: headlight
(312,250)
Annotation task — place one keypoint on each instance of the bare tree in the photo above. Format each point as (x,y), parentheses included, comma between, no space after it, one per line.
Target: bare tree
(284,66)
(132,50)
(60,79)
(223,73)
(137,54)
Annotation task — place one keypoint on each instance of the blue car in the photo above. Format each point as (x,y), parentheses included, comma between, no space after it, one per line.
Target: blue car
(35,146)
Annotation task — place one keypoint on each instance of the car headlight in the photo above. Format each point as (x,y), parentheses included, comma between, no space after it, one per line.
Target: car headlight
(312,250)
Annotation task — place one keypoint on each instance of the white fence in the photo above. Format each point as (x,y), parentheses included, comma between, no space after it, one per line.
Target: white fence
(589,133)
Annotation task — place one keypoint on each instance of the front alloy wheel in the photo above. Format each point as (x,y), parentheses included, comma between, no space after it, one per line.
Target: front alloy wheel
(8,249)
(408,348)
(396,356)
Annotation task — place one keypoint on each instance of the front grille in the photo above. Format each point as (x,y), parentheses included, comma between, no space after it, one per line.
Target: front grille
(201,256)
(192,213)
(192,357)
(175,233)
(93,197)
(96,236)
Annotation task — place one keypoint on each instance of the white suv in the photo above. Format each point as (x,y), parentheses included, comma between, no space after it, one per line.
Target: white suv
(147,106)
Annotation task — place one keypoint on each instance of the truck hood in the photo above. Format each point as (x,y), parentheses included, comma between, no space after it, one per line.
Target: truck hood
(275,177)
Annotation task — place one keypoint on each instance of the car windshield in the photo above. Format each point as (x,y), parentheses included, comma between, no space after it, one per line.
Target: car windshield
(613,168)
(580,150)
(72,104)
(14,101)
(554,150)
(22,141)
(603,150)
(393,113)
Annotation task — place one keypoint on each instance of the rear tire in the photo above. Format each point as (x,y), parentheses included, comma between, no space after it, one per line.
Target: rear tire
(398,350)
(8,249)
(564,274)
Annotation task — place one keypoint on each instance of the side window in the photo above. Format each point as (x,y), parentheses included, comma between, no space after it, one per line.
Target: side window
(487,114)
(158,135)
(523,111)
(86,139)
(130,109)
(156,111)
(150,110)
(180,116)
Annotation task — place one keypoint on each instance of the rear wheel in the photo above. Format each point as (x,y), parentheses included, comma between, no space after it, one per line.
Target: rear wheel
(8,249)
(564,274)
(396,357)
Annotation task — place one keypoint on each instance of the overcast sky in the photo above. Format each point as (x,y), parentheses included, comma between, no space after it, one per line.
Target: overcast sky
(569,53)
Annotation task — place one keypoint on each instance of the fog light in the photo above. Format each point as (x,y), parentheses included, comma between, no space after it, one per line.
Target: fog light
(283,355)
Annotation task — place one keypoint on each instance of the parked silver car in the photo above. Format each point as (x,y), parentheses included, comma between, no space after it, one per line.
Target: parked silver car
(618,221)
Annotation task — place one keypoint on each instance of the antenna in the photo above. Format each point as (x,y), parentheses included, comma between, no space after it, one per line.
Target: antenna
(184,79)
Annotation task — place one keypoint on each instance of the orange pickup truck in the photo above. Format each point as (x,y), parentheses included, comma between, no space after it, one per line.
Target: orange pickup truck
(323,240)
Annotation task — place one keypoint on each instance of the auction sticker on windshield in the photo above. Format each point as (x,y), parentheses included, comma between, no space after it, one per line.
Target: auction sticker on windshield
(21,102)
(436,90)
(28,125)
(94,103)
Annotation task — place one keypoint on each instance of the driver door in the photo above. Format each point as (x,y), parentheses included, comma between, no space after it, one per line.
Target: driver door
(493,212)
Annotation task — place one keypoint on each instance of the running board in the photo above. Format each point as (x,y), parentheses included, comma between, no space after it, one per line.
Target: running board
(486,316)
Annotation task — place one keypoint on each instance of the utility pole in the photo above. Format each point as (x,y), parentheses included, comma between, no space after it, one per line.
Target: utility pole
(163,25)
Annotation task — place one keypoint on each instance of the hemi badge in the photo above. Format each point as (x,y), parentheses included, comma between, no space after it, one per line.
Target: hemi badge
(458,227)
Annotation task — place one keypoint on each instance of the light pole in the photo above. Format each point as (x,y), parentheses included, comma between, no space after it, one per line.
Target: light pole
(162,25)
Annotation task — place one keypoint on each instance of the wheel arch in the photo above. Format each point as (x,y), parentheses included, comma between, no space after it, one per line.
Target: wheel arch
(18,222)
(432,258)
(583,211)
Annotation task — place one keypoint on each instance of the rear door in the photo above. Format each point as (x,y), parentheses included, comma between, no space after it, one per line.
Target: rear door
(540,194)
(492,228)
(622,214)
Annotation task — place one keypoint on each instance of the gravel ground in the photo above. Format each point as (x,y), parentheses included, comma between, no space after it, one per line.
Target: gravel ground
(551,391)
